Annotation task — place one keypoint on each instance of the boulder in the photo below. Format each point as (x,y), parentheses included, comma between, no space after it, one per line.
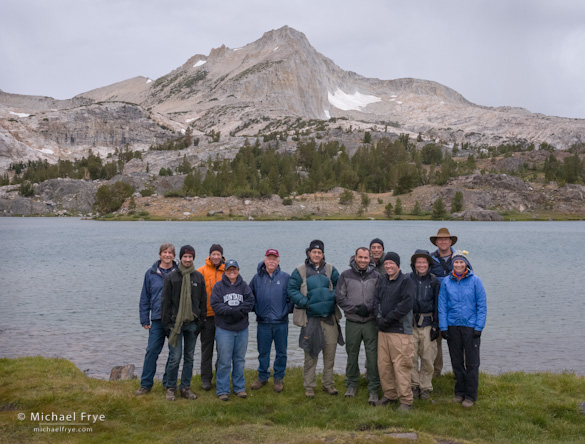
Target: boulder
(122,372)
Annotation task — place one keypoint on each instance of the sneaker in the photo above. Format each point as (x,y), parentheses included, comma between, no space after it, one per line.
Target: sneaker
(416,392)
(385,401)
(206,385)
(278,385)
(170,394)
(458,399)
(142,391)
(373,399)
(188,394)
(242,395)
(224,397)
(310,393)
(330,390)
(257,384)
(468,403)
(404,408)
(350,392)
(425,395)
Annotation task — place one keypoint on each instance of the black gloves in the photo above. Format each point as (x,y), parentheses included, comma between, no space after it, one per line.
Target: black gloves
(434,333)
(445,335)
(476,333)
(362,311)
(381,322)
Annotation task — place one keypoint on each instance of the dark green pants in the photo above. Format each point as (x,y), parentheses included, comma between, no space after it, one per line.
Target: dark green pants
(355,334)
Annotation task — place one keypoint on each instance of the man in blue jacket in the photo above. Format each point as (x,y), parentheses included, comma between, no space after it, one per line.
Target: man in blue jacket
(150,314)
(272,307)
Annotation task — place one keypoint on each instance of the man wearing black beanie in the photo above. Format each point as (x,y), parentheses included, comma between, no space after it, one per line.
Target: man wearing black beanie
(393,302)
(377,254)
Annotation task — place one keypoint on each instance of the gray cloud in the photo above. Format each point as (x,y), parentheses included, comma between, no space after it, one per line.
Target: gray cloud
(514,53)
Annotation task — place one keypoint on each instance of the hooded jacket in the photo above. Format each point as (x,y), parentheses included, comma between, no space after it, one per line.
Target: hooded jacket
(393,300)
(462,302)
(426,298)
(212,274)
(150,297)
(231,303)
(270,293)
(356,287)
(441,268)
(171,297)
(320,301)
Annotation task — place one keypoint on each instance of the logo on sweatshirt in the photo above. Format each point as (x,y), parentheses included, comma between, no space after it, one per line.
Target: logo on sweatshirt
(233,299)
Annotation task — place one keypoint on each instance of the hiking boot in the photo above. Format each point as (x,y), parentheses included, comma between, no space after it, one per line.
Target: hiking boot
(350,392)
(385,401)
(468,403)
(170,394)
(310,393)
(373,399)
(188,394)
(404,408)
(206,385)
(330,390)
(257,384)
(224,397)
(458,399)
(242,395)
(416,392)
(425,395)
(278,385)
(142,391)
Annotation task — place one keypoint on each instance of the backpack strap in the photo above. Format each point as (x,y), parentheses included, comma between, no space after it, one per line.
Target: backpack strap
(302,269)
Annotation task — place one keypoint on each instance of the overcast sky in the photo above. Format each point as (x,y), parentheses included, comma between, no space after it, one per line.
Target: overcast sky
(527,53)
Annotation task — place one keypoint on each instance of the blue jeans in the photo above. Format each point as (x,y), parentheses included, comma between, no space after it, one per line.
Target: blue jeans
(231,348)
(266,334)
(156,341)
(189,338)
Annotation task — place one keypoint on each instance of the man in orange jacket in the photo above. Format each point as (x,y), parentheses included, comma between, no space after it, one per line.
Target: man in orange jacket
(212,271)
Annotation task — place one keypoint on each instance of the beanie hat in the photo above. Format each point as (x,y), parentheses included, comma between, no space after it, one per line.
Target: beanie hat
(216,247)
(461,255)
(391,256)
(187,249)
(316,244)
(377,241)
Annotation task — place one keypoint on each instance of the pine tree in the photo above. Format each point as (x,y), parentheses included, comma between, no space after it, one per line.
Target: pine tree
(398,208)
(457,202)
(439,210)
(388,210)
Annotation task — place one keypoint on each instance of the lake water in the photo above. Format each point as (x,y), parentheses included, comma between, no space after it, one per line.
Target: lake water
(71,287)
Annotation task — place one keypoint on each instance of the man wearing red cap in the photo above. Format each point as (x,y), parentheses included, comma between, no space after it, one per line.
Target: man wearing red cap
(269,286)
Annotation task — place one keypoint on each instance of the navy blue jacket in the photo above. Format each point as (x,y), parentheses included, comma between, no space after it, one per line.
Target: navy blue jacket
(231,303)
(272,305)
(426,298)
(441,268)
(150,296)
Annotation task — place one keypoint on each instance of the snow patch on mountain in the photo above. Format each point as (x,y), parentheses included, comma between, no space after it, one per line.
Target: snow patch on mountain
(355,101)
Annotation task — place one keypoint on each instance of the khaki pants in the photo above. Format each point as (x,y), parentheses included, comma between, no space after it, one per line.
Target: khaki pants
(395,352)
(426,350)
(309,379)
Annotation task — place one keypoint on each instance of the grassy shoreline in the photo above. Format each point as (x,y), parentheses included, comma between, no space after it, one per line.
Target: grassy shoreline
(513,408)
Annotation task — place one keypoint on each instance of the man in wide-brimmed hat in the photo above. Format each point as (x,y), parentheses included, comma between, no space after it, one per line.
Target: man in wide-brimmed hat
(442,266)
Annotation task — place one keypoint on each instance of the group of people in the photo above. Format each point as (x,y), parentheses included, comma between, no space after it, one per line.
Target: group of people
(400,318)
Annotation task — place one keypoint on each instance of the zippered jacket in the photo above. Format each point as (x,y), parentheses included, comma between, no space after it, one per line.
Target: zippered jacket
(150,296)
(320,300)
(356,287)
(393,300)
(270,293)
(212,275)
(231,303)
(426,298)
(171,297)
(462,302)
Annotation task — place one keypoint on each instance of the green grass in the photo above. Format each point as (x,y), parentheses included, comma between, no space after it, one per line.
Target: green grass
(513,408)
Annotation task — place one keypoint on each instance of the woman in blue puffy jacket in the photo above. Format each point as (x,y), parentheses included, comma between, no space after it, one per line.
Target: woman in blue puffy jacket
(462,315)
